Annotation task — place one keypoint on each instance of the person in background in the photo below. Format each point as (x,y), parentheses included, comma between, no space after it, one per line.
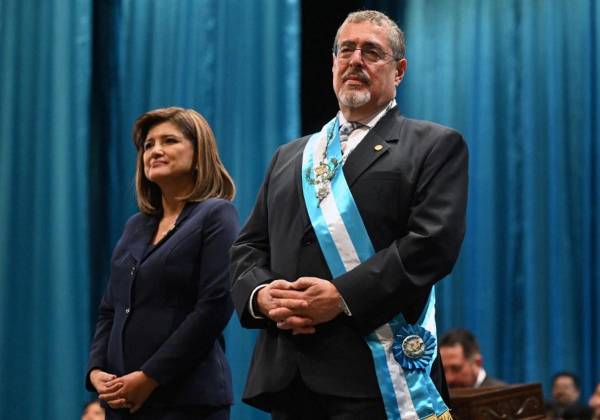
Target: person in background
(351,229)
(594,403)
(462,360)
(565,403)
(158,351)
(93,410)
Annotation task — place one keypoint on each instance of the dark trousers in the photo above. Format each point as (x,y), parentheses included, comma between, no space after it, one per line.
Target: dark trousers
(297,402)
(154,413)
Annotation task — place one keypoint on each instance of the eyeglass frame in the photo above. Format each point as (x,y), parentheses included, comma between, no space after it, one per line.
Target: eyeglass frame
(375,48)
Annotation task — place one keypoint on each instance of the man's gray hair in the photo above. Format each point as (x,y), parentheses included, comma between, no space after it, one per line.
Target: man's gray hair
(394,33)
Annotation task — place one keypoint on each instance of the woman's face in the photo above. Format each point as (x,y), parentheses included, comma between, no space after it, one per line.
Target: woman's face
(168,156)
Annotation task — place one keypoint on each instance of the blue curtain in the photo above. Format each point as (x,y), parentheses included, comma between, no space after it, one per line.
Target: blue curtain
(520,79)
(44,260)
(75,75)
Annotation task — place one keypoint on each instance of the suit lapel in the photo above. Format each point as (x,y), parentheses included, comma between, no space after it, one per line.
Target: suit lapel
(375,144)
(298,177)
(141,247)
(141,238)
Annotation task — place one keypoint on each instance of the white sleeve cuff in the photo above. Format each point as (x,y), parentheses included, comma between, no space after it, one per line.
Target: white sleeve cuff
(344,307)
(250,306)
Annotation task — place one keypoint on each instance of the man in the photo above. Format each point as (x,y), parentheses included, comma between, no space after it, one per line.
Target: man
(463,364)
(350,231)
(565,402)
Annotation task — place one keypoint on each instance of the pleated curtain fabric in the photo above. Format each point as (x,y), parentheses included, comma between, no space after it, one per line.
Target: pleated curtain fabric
(74,76)
(520,80)
(45,70)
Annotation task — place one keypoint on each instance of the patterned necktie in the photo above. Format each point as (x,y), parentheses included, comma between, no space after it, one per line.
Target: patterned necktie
(345,130)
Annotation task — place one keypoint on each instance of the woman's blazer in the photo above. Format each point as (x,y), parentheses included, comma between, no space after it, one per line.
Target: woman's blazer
(166,306)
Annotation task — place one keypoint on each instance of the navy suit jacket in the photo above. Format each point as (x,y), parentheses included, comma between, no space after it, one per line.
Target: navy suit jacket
(409,181)
(166,306)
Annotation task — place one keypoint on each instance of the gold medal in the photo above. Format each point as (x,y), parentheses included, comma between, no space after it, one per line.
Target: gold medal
(413,346)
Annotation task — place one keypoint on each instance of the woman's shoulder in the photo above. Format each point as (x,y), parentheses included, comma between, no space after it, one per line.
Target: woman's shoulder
(137,219)
(212,206)
(137,222)
(214,211)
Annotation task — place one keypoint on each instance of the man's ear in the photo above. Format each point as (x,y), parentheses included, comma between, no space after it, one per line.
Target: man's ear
(478,360)
(400,71)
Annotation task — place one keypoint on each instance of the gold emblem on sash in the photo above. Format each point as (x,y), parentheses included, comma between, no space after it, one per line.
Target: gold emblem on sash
(323,174)
(413,346)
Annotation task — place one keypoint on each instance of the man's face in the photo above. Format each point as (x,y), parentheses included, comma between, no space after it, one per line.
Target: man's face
(564,390)
(360,83)
(460,372)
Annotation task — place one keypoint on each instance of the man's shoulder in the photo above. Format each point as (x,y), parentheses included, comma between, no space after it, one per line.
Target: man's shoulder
(295,144)
(423,127)
(290,150)
(419,136)
(490,381)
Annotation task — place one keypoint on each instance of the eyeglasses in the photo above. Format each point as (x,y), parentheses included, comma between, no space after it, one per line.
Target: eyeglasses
(371,54)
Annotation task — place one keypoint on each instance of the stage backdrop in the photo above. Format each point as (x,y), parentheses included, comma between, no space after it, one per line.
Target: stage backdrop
(520,79)
(45,71)
(75,75)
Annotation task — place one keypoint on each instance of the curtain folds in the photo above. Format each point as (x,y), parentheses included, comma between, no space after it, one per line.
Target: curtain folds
(44,260)
(520,79)
(75,75)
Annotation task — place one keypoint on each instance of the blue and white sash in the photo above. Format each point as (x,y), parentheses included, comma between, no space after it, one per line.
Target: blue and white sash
(402,353)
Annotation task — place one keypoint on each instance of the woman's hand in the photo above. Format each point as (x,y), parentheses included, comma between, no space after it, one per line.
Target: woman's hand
(102,381)
(132,391)
(108,388)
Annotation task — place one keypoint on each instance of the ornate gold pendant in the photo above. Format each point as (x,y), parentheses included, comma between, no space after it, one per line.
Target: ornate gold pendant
(323,174)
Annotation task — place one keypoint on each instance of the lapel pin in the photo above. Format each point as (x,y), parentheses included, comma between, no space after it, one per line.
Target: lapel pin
(378,147)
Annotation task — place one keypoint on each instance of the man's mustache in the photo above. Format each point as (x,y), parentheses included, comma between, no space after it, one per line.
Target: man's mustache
(356,75)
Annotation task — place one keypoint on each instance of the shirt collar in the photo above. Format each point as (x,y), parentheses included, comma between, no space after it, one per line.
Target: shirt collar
(480,378)
(370,122)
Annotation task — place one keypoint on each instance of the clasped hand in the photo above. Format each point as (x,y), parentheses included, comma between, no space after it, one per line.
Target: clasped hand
(299,305)
(127,391)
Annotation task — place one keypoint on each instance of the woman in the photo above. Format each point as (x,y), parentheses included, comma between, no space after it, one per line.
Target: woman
(158,350)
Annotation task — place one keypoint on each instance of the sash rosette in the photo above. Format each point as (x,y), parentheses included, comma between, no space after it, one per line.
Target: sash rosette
(402,353)
(414,347)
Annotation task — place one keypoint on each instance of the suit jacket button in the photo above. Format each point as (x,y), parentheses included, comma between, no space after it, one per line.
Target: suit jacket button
(306,241)
(127,310)
(132,272)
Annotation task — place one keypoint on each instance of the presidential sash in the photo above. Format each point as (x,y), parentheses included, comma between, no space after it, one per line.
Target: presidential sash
(402,353)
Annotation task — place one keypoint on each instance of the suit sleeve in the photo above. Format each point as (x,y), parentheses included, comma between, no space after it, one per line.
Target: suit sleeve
(98,349)
(249,255)
(199,331)
(399,278)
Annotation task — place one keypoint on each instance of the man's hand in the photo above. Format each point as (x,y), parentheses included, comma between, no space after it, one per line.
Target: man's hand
(289,308)
(134,390)
(321,296)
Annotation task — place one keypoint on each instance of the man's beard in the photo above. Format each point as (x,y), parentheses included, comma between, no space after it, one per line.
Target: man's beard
(354,98)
